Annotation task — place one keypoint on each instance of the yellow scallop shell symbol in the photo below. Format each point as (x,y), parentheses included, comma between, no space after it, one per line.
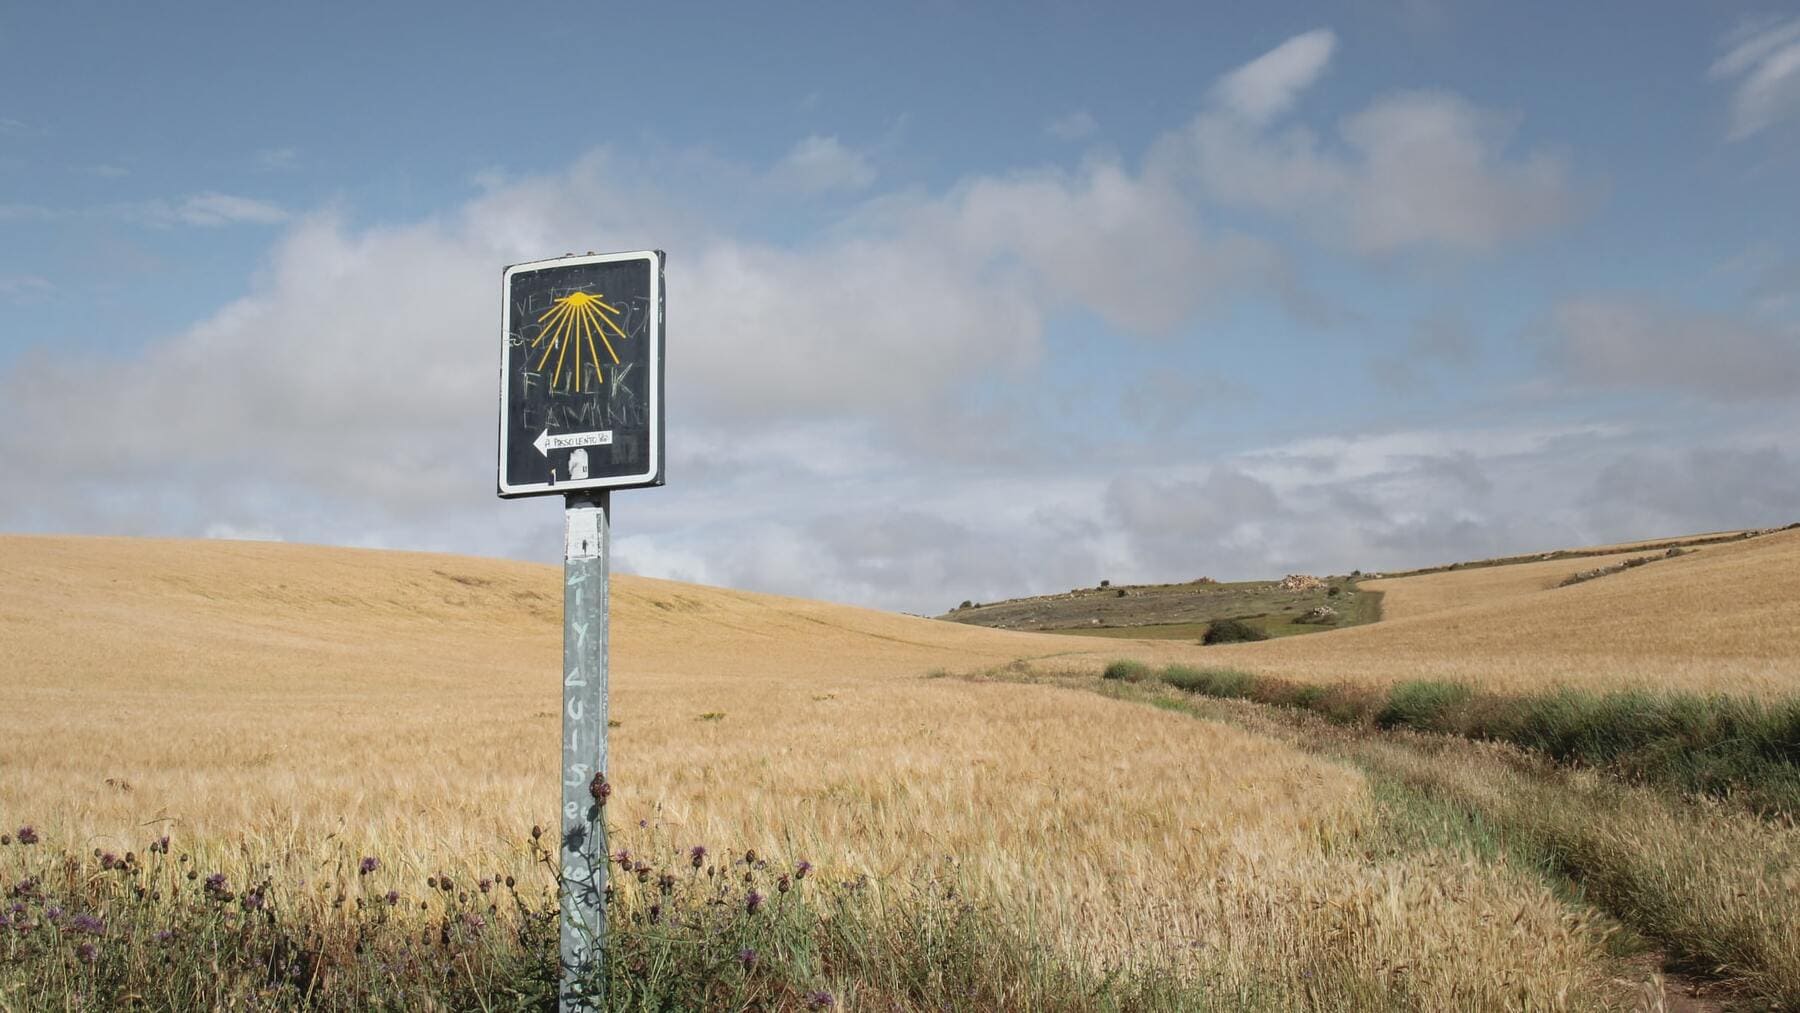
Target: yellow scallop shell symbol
(573,322)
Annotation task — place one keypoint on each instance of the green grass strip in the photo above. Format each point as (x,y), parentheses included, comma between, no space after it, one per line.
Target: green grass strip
(1736,748)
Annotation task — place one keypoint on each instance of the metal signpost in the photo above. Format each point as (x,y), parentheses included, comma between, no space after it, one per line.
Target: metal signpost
(581,415)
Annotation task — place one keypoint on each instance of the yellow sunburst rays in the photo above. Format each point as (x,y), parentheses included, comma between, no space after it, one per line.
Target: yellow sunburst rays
(576,320)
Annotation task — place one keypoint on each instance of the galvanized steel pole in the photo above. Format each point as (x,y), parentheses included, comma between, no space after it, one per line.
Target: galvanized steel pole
(583,854)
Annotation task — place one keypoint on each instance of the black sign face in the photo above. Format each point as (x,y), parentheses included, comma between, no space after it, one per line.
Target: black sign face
(581,374)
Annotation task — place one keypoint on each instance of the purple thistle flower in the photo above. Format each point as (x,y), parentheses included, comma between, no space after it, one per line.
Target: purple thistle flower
(747,957)
(108,860)
(753,902)
(53,913)
(820,1000)
(162,845)
(87,953)
(164,936)
(600,789)
(783,884)
(623,858)
(697,855)
(252,900)
(369,864)
(89,924)
(485,884)
(392,898)
(802,869)
(28,834)
(5,923)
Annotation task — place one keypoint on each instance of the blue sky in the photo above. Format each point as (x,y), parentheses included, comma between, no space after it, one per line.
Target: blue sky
(965,301)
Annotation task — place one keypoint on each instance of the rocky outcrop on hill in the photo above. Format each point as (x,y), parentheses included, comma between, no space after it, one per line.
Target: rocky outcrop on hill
(1300,582)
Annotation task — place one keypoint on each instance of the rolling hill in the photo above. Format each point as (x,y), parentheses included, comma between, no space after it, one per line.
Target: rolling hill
(280,710)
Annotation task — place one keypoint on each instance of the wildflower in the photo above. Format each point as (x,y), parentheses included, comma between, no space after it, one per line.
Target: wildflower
(802,869)
(655,913)
(782,885)
(509,882)
(164,936)
(600,789)
(752,902)
(253,900)
(89,924)
(445,884)
(820,1000)
(665,884)
(53,914)
(747,957)
(536,831)
(486,884)
(28,835)
(623,858)
(392,898)
(473,922)
(108,860)
(87,953)
(697,855)
(161,845)
(750,857)
(215,886)
(5,839)
(369,864)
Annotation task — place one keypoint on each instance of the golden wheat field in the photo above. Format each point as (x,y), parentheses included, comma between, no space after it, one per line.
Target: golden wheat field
(1405,597)
(256,699)
(1720,619)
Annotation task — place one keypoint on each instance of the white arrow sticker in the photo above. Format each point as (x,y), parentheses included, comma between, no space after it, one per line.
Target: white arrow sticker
(563,441)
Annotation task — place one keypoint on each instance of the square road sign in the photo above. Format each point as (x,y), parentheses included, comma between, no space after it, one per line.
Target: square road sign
(581,374)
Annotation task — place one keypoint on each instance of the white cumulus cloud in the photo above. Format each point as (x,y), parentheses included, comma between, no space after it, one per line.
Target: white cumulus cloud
(1412,170)
(1267,86)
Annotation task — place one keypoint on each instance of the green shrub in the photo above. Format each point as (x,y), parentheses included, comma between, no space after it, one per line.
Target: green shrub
(1216,682)
(1425,706)
(1231,631)
(1127,670)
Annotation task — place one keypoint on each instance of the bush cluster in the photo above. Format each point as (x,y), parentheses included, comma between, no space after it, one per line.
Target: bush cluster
(1231,631)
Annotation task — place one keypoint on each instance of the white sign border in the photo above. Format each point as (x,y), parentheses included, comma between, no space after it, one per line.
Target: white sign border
(652,476)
